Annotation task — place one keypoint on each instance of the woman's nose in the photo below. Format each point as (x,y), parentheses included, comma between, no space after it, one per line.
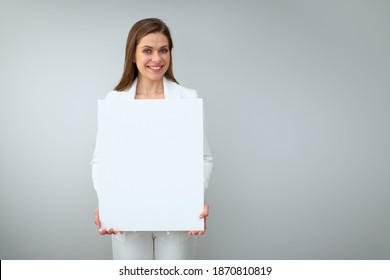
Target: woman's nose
(156,57)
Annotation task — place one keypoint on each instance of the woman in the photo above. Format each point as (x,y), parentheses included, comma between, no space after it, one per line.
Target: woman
(148,74)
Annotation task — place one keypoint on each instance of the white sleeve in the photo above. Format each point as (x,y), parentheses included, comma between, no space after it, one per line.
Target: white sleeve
(207,159)
(207,156)
(95,166)
(95,158)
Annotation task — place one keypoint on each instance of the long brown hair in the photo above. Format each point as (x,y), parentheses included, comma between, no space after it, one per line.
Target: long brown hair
(139,30)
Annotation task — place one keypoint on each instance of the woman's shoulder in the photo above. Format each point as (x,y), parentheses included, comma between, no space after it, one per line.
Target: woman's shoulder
(113,95)
(184,92)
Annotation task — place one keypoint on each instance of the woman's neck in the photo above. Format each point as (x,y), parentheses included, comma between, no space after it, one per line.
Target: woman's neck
(148,87)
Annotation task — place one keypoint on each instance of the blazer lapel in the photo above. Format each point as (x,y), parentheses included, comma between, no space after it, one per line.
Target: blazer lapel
(170,90)
(130,93)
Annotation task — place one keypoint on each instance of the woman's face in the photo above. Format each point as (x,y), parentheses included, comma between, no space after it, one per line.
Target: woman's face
(152,56)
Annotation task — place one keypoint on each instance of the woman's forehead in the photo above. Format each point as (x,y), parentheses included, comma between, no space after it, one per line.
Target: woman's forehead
(154,40)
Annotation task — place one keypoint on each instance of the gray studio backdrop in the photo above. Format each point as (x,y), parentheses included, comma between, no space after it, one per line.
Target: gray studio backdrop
(297,106)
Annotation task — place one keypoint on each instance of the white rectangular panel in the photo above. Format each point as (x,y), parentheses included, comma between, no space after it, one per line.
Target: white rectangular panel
(151,164)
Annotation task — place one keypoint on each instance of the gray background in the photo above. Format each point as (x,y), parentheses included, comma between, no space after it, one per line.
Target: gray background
(297,103)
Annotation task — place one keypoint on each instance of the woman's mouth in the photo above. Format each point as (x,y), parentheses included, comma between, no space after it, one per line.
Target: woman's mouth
(155,68)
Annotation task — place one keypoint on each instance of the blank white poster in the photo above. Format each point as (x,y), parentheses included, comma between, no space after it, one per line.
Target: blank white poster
(151,164)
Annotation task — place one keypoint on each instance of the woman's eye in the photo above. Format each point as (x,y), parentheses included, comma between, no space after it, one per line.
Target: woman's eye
(147,51)
(164,50)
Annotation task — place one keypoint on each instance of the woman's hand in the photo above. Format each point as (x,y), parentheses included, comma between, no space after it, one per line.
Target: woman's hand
(202,215)
(98,224)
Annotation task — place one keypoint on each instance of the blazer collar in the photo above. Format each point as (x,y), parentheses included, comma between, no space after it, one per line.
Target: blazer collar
(170,89)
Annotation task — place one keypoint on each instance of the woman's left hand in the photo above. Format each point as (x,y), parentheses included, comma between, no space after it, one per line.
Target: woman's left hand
(202,215)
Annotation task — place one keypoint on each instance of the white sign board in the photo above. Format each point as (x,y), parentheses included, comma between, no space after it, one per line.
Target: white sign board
(151,164)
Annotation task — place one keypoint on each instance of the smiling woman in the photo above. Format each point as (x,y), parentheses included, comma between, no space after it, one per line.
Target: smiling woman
(148,75)
(152,58)
(144,36)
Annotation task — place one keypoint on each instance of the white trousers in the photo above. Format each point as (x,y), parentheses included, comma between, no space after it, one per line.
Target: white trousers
(148,245)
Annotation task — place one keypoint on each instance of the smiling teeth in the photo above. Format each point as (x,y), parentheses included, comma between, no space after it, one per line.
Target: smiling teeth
(155,68)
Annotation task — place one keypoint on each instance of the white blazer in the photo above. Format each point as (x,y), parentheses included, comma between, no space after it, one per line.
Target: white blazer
(171,91)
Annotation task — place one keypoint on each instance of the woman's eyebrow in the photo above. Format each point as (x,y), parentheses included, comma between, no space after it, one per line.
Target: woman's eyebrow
(146,46)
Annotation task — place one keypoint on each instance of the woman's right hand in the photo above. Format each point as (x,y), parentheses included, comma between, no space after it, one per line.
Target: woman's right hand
(98,224)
